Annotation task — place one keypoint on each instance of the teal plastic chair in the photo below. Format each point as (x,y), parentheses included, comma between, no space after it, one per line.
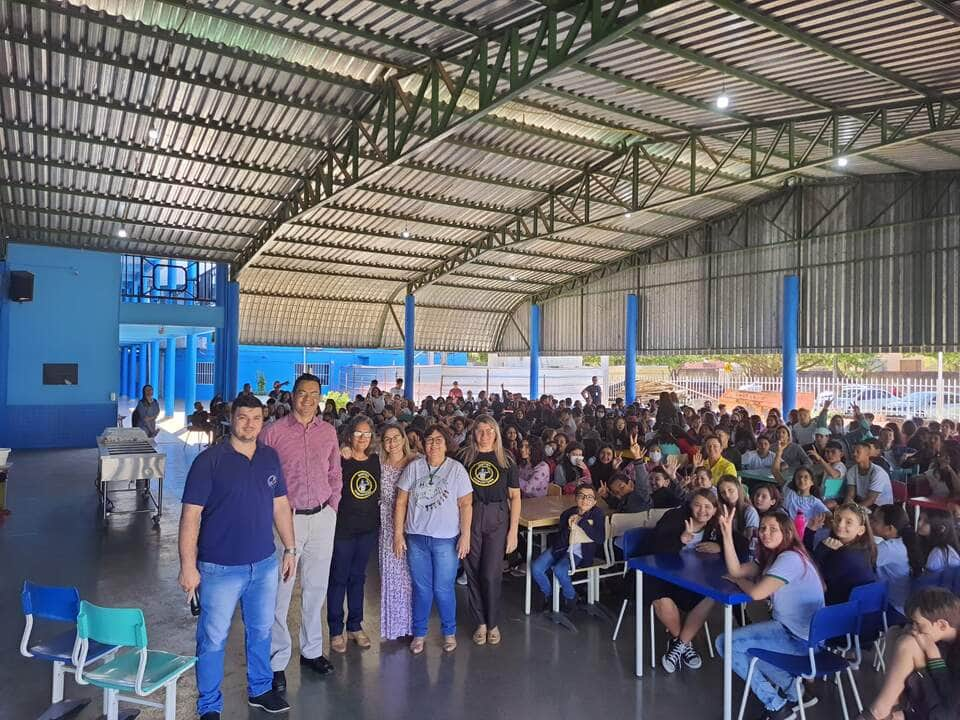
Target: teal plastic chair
(141,671)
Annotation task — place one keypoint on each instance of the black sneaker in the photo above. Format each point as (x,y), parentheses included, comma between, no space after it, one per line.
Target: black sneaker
(320,665)
(785,713)
(672,659)
(210,716)
(280,681)
(271,701)
(691,658)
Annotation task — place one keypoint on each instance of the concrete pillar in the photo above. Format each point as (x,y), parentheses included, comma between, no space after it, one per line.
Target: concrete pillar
(409,328)
(169,376)
(155,367)
(124,382)
(190,374)
(142,367)
(630,352)
(131,373)
(534,351)
(790,320)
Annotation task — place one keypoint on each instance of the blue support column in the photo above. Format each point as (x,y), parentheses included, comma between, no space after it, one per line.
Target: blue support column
(190,376)
(123,372)
(219,292)
(630,352)
(790,334)
(155,367)
(131,391)
(169,376)
(231,345)
(409,328)
(142,367)
(534,351)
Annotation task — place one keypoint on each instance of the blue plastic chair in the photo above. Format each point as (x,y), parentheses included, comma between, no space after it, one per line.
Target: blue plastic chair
(142,671)
(829,623)
(61,605)
(636,542)
(872,599)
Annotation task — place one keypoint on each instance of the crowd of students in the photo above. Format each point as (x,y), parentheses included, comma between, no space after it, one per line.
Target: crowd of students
(437,487)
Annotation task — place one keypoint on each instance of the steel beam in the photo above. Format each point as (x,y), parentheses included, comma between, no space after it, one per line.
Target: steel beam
(502,67)
(867,131)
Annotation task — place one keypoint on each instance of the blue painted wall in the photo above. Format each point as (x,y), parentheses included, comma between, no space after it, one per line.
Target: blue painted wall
(73,318)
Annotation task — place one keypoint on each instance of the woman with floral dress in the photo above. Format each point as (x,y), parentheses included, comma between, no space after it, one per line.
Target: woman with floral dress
(395,588)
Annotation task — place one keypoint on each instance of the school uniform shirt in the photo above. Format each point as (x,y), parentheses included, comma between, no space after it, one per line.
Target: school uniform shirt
(720,468)
(893,568)
(801,594)
(941,559)
(753,461)
(490,480)
(842,570)
(810,505)
(236,494)
(875,480)
(360,504)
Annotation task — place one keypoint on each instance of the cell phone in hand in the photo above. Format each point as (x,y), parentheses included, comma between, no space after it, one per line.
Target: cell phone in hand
(195,603)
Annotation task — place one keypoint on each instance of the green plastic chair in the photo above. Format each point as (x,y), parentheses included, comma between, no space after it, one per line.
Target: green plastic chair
(142,671)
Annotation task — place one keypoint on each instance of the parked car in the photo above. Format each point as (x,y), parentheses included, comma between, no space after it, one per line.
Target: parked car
(924,405)
(870,399)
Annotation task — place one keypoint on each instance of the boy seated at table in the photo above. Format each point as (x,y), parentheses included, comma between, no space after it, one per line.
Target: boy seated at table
(589,518)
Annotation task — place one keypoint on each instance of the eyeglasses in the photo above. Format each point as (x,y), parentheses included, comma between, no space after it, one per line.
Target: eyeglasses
(586,496)
(434,441)
(362,434)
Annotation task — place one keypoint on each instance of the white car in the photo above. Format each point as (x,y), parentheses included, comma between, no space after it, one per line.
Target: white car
(869,398)
(924,405)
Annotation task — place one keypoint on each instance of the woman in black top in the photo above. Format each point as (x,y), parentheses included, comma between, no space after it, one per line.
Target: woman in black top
(496,519)
(358,519)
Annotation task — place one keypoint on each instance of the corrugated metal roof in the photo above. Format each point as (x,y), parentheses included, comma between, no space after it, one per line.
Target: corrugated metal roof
(190,124)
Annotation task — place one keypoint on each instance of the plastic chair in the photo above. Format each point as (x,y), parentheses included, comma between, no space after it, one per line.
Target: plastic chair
(57,604)
(636,542)
(142,671)
(554,490)
(872,599)
(828,623)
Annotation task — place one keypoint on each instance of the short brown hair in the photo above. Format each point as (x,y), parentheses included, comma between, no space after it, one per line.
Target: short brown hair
(935,603)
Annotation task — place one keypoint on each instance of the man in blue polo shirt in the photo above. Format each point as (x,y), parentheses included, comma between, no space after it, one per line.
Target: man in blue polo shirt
(234,495)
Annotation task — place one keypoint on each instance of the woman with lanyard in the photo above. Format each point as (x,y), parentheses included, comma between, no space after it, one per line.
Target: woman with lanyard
(355,537)
(395,589)
(496,518)
(431,526)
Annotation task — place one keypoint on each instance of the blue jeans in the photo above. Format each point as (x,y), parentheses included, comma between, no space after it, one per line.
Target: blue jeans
(348,573)
(433,571)
(221,588)
(561,570)
(767,681)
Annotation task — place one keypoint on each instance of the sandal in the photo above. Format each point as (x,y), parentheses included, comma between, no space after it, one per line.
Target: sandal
(480,635)
(416,645)
(493,637)
(449,643)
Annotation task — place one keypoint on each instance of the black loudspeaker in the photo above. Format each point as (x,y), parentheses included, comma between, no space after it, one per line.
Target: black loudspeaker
(21,286)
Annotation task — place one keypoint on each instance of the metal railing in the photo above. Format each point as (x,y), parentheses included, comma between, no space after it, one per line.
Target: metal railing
(165,281)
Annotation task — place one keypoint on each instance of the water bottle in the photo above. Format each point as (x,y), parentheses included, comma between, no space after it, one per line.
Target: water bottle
(800,522)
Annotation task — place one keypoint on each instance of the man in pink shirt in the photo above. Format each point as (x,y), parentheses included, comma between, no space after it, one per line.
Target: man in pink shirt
(310,455)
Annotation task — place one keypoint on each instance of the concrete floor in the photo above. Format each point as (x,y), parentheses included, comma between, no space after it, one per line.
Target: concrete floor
(539,671)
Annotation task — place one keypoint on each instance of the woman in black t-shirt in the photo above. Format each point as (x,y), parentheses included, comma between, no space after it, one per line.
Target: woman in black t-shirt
(493,531)
(358,519)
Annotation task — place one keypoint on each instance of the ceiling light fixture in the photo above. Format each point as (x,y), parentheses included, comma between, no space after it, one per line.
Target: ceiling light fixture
(405,234)
(122,232)
(842,161)
(153,134)
(513,278)
(628,215)
(723,101)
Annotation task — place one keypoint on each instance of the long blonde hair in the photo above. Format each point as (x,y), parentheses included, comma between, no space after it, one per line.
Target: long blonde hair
(408,454)
(504,459)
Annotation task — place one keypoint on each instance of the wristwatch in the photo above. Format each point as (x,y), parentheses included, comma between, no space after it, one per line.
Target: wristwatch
(290,551)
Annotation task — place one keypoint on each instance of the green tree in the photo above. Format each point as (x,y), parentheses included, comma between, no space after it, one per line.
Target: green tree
(591,361)
(261,383)
(477,358)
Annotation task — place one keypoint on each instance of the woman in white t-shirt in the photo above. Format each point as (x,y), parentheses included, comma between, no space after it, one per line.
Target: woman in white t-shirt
(784,574)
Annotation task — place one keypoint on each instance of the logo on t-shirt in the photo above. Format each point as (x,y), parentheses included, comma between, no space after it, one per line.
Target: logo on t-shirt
(484,473)
(272,481)
(362,485)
